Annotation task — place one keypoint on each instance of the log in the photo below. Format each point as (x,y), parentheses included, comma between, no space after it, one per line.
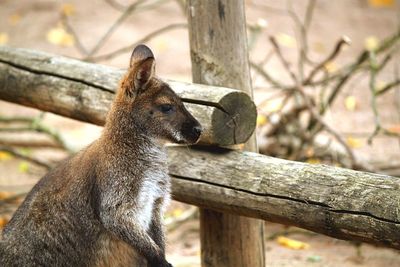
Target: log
(218,50)
(337,202)
(84,91)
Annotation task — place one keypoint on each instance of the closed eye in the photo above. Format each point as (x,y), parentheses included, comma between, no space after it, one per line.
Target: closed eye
(167,108)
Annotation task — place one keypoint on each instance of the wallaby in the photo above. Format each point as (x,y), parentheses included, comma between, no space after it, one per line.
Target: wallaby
(104,206)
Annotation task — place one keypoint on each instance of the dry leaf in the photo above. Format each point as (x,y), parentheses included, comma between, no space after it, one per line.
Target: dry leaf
(310,152)
(319,47)
(394,129)
(5,194)
(379,85)
(371,43)
(313,161)
(3,222)
(68,9)
(261,120)
(331,66)
(354,142)
(23,167)
(291,243)
(350,103)
(3,38)
(272,105)
(5,155)
(262,23)
(177,212)
(14,19)
(286,40)
(161,44)
(59,36)
(381,3)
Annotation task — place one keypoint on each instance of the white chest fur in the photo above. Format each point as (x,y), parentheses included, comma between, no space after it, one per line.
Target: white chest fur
(154,191)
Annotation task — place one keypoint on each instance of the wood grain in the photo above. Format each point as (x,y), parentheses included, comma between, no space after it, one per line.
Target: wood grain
(84,91)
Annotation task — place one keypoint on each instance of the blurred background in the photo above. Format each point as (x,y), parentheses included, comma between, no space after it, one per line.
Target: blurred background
(344,53)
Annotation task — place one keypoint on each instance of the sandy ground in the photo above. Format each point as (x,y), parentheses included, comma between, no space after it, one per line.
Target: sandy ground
(332,19)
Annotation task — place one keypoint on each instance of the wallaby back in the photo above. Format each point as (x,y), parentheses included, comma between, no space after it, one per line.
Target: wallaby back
(104,206)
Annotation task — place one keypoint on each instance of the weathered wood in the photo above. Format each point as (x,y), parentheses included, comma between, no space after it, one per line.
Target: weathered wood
(85,91)
(333,201)
(218,48)
(337,202)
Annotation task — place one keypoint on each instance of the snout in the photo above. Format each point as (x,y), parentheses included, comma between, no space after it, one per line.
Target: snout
(192,131)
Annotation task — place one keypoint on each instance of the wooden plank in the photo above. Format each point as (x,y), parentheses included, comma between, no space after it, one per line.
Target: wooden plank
(84,91)
(218,49)
(337,202)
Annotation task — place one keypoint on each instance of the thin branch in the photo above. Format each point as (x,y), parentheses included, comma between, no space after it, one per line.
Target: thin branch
(344,40)
(35,124)
(387,87)
(130,47)
(78,44)
(266,75)
(127,12)
(116,5)
(284,62)
(17,154)
(303,54)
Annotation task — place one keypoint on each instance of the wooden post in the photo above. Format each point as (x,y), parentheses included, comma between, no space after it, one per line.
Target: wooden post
(218,47)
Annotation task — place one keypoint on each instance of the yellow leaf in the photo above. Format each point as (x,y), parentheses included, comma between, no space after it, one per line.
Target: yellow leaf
(68,9)
(3,38)
(350,103)
(14,18)
(286,40)
(319,47)
(291,243)
(161,44)
(59,36)
(262,23)
(310,152)
(371,43)
(177,212)
(381,3)
(394,129)
(23,167)
(354,142)
(5,194)
(3,222)
(331,66)
(261,120)
(5,155)
(313,161)
(272,105)
(380,85)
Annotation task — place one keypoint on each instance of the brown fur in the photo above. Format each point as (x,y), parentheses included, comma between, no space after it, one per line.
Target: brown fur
(104,206)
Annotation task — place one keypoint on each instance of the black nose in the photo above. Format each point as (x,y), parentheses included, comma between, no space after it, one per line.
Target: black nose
(197,130)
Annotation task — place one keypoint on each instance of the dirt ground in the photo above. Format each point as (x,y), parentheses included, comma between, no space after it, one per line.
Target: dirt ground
(27,23)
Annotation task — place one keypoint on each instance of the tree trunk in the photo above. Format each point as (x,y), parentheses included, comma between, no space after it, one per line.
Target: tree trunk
(218,48)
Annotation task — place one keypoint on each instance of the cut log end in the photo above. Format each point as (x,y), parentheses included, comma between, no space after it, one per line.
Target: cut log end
(235,121)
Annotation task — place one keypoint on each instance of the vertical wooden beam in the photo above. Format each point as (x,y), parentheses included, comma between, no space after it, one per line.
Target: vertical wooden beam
(218,46)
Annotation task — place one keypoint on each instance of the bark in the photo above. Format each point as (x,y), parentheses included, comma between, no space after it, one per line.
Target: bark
(84,91)
(218,48)
(337,202)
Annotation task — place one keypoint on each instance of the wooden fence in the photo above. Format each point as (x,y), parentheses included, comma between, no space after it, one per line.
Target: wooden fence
(338,202)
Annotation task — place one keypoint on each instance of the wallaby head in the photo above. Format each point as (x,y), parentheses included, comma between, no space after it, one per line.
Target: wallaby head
(149,104)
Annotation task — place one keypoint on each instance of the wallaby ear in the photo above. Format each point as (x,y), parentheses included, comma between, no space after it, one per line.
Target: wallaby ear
(142,66)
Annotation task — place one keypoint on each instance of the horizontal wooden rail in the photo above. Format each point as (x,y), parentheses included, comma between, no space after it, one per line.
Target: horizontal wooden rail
(84,91)
(337,202)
